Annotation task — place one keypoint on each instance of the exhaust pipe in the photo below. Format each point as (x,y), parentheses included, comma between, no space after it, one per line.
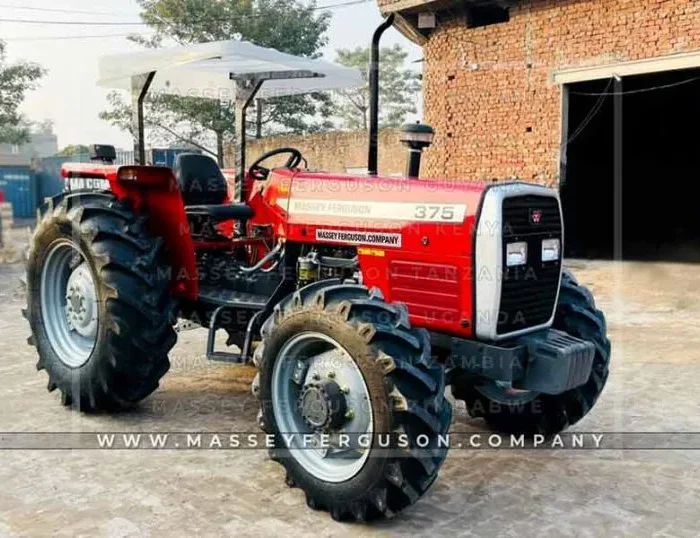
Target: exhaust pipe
(372,158)
(416,137)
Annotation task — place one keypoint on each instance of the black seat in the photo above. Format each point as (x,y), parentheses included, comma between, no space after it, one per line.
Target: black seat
(204,189)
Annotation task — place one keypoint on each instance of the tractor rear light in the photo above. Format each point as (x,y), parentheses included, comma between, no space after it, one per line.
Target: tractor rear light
(551,250)
(128,174)
(145,175)
(516,254)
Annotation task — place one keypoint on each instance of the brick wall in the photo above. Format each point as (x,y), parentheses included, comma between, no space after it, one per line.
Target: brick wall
(487,91)
(335,151)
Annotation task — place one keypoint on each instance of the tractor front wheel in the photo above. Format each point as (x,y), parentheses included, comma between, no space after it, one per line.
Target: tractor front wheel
(99,302)
(509,411)
(337,362)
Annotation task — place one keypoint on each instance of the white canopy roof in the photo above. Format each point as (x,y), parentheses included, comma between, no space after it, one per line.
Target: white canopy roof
(206,70)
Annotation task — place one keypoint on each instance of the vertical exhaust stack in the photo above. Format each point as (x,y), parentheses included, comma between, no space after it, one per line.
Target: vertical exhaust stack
(417,137)
(372,159)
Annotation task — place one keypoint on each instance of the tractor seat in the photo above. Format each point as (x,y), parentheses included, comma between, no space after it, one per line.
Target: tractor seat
(204,189)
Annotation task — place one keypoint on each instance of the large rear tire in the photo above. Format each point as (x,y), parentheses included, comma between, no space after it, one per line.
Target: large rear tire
(99,302)
(376,357)
(547,415)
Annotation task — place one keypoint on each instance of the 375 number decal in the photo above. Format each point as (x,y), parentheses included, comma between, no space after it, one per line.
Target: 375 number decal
(442,213)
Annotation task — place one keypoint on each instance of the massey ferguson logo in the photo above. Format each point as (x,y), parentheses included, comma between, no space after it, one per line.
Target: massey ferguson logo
(535,216)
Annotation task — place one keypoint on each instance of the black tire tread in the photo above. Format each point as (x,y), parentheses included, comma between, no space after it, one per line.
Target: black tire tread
(422,408)
(139,311)
(577,315)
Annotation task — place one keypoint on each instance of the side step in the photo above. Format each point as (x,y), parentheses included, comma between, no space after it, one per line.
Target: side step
(220,356)
(234,299)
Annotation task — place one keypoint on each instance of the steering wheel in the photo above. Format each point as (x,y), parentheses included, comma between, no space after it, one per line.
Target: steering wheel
(260,173)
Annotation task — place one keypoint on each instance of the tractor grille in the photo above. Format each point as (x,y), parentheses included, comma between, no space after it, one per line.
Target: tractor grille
(529,292)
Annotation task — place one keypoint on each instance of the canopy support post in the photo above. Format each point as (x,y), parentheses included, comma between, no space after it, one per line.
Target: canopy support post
(139,89)
(246,90)
(258,118)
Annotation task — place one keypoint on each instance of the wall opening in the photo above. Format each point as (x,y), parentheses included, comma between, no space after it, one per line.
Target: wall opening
(660,216)
(486,15)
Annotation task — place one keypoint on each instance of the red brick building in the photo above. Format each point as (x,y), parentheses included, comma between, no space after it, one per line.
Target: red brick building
(532,89)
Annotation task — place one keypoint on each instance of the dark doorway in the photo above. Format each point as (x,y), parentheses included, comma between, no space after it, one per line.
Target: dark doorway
(660,163)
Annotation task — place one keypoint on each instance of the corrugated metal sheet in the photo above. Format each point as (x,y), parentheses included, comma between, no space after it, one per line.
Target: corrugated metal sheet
(16,182)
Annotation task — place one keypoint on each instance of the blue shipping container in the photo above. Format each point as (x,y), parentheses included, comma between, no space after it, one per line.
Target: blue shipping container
(48,180)
(16,183)
(166,157)
(47,176)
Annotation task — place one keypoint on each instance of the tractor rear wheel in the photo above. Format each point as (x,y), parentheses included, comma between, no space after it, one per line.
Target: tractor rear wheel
(336,360)
(511,411)
(99,302)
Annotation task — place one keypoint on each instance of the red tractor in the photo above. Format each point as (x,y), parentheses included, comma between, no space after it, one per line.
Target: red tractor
(359,299)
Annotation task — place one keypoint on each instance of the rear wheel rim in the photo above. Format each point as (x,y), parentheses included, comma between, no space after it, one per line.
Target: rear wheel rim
(311,359)
(69,304)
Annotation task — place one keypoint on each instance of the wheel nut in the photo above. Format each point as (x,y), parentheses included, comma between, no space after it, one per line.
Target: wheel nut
(331,375)
(345,390)
(350,414)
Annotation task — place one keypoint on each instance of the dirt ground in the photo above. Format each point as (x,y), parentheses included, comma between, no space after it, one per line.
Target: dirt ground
(653,313)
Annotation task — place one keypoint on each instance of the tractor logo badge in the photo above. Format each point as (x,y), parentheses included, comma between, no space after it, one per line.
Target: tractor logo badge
(535,216)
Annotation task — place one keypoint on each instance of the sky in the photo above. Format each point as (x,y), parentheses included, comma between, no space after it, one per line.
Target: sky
(68,94)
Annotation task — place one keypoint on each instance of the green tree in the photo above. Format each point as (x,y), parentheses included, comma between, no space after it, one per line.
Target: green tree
(15,81)
(77,149)
(398,88)
(286,25)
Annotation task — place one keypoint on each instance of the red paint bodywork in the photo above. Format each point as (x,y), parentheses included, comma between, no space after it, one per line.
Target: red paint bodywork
(163,203)
(431,272)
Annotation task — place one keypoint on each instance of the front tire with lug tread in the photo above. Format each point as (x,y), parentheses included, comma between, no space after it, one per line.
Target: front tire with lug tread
(577,315)
(405,390)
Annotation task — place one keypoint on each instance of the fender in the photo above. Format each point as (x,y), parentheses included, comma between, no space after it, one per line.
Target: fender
(152,191)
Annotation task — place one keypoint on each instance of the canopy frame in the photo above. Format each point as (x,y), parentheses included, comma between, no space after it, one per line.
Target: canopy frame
(140,85)
(247,88)
(233,71)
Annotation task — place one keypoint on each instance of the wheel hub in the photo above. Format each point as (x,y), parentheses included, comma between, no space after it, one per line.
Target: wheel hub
(323,406)
(319,390)
(69,303)
(81,302)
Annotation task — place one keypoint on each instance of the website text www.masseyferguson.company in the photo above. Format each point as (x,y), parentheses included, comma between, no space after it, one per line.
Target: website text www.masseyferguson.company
(401,442)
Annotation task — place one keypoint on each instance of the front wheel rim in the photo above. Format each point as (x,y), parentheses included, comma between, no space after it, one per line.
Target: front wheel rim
(311,372)
(69,304)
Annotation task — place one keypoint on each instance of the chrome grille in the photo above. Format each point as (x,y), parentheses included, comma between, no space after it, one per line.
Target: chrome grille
(529,292)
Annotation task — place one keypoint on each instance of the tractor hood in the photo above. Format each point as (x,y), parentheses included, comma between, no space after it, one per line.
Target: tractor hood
(353,203)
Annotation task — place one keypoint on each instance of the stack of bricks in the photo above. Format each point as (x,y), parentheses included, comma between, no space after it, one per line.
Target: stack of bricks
(6,222)
(488,91)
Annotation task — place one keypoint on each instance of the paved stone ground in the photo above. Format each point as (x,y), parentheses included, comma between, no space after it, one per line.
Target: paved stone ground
(653,312)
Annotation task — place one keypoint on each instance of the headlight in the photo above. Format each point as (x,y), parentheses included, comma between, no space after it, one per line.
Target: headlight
(516,254)
(551,250)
